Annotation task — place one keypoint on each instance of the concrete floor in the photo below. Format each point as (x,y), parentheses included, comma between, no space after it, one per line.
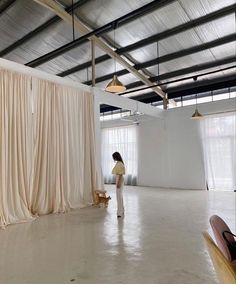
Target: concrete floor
(159,241)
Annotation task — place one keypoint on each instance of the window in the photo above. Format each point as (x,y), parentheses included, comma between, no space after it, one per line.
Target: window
(219,145)
(124,141)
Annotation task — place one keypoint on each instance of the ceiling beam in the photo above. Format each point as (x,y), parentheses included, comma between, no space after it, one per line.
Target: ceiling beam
(126,103)
(169,75)
(187,89)
(6,6)
(185,71)
(85,65)
(38,30)
(188,51)
(191,89)
(155,61)
(100,43)
(154,38)
(202,86)
(168,57)
(150,7)
(182,28)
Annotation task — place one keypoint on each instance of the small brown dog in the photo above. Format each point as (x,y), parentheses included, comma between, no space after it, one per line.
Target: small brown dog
(101,198)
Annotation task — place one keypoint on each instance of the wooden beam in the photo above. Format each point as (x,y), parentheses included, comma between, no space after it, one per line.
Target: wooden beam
(55,7)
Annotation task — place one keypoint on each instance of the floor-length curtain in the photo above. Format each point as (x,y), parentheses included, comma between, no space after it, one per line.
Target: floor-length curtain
(64,151)
(47,148)
(15,147)
(123,140)
(219,146)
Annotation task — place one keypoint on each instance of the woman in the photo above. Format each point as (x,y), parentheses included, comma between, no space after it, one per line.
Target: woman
(119,171)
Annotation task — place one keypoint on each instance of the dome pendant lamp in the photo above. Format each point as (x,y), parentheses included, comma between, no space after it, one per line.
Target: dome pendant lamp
(197,115)
(115,86)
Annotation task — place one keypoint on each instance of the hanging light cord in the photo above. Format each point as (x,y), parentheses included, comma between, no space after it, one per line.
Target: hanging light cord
(73,20)
(158,63)
(114,41)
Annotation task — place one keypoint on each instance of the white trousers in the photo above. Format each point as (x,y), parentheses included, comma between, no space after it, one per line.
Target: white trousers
(119,198)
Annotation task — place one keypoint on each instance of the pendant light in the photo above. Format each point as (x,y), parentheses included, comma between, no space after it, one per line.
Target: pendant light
(115,86)
(197,115)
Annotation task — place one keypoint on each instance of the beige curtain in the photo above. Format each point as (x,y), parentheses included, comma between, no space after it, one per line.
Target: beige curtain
(15,147)
(47,148)
(64,151)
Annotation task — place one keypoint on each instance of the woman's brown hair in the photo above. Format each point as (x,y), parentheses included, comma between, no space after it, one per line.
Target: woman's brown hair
(117,157)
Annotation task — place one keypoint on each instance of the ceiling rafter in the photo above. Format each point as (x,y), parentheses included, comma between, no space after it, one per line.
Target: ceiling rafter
(100,43)
(186,71)
(203,86)
(188,51)
(150,7)
(6,6)
(168,57)
(185,90)
(226,11)
(168,75)
(188,77)
(193,88)
(152,39)
(38,30)
(162,59)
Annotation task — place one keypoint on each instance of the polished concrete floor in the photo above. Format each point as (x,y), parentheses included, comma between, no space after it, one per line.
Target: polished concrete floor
(158,241)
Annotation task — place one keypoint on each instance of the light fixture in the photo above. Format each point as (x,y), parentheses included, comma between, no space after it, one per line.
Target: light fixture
(197,115)
(115,86)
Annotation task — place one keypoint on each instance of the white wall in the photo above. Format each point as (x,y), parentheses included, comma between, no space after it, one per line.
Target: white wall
(152,155)
(101,97)
(170,151)
(185,159)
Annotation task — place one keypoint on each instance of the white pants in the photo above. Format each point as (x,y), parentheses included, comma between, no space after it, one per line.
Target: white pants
(119,198)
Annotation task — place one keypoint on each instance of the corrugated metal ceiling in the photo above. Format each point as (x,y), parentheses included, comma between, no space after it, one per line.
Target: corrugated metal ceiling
(24,16)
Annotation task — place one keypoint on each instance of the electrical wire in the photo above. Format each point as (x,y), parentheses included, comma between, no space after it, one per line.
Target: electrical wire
(73,20)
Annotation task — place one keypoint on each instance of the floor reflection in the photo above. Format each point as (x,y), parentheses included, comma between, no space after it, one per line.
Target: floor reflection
(158,241)
(123,236)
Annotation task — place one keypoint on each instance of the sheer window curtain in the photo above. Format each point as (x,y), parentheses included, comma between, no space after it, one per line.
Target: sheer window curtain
(219,147)
(123,140)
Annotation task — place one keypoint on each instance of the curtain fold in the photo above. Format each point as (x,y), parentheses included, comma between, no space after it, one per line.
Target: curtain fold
(64,168)
(123,140)
(47,148)
(15,147)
